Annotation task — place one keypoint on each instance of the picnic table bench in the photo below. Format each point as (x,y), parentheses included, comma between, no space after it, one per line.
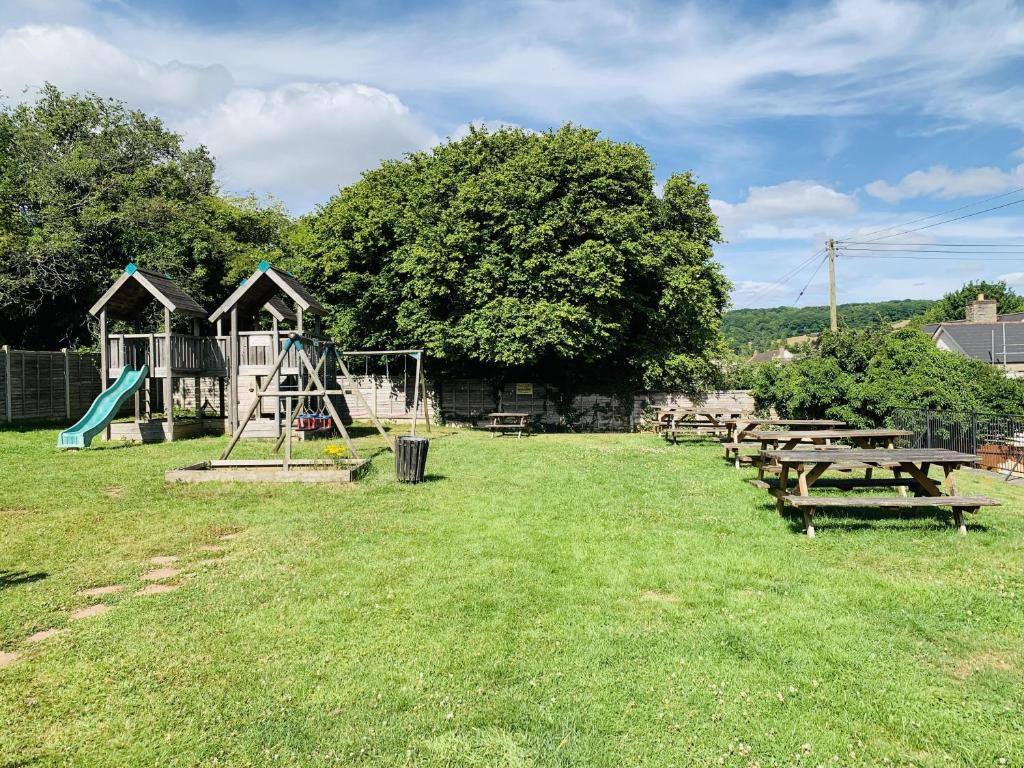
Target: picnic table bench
(822,439)
(505,423)
(741,430)
(810,465)
(674,421)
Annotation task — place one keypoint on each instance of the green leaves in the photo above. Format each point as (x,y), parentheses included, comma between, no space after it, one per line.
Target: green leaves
(518,250)
(86,186)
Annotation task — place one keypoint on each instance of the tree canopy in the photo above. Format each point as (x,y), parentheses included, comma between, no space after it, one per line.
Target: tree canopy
(953,306)
(511,250)
(88,185)
(752,330)
(865,376)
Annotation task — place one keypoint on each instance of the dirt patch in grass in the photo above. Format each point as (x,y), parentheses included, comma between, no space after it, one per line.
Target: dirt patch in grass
(981,662)
(114,492)
(43,634)
(110,589)
(89,612)
(14,511)
(8,657)
(157,589)
(163,559)
(666,598)
(159,574)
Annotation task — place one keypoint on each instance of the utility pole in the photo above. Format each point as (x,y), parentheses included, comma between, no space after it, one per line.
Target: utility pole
(833,315)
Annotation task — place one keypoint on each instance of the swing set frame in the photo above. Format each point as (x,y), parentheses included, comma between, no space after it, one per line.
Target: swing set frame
(287,469)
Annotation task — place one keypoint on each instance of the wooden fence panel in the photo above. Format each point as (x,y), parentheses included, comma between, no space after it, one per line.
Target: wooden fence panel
(47,385)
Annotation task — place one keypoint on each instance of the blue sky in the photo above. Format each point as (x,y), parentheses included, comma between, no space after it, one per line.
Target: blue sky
(808,120)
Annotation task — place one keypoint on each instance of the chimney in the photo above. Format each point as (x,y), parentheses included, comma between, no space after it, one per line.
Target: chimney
(982,310)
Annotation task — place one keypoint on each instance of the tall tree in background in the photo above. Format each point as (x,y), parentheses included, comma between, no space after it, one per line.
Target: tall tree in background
(88,185)
(515,252)
(953,306)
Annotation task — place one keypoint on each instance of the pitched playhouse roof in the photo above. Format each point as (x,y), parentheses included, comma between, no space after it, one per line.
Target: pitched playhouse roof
(263,285)
(136,287)
(280,310)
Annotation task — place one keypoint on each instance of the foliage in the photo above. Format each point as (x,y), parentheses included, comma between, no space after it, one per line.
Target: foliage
(864,377)
(519,251)
(754,330)
(953,306)
(88,185)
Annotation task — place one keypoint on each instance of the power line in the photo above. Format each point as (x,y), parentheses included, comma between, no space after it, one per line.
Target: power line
(950,221)
(929,250)
(944,213)
(817,269)
(767,287)
(932,245)
(879,255)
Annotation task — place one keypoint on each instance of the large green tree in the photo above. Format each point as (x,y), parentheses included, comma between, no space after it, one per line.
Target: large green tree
(953,306)
(88,185)
(513,251)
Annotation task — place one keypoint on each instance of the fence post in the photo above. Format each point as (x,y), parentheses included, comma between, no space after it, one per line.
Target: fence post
(927,429)
(67,382)
(974,432)
(7,382)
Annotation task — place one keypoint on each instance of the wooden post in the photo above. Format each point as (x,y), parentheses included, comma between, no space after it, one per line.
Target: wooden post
(103,359)
(169,377)
(233,383)
(416,394)
(7,382)
(423,394)
(200,366)
(288,435)
(277,379)
(67,383)
(298,314)
(833,312)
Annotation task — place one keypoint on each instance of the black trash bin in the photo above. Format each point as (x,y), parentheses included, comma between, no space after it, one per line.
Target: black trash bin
(411,458)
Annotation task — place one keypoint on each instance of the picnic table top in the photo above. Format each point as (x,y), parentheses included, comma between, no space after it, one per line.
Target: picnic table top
(874,455)
(826,434)
(788,422)
(508,414)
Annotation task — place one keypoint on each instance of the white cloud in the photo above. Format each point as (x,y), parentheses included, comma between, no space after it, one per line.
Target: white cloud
(1013,278)
(76,60)
(776,211)
(939,181)
(762,294)
(303,140)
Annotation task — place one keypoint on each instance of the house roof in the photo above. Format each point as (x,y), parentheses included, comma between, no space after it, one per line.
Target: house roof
(262,286)
(984,341)
(137,287)
(782,355)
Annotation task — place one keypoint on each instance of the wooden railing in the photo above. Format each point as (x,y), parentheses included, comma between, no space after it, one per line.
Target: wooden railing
(206,355)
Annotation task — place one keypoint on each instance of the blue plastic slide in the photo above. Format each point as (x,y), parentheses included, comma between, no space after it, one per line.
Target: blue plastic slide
(103,409)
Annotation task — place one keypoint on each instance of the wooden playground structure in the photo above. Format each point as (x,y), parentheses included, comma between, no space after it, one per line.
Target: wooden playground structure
(257,367)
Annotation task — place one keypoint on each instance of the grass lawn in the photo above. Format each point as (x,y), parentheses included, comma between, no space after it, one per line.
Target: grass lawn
(563,600)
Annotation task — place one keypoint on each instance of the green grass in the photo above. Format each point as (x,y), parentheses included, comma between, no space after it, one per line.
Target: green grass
(564,600)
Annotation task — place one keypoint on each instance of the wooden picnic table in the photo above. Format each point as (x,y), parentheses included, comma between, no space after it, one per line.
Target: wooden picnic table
(882,437)
(740,430)
(505,423)
(677,419)
(810,465)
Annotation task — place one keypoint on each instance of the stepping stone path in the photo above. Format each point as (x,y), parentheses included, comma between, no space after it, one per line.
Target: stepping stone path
(112,589)
(164,559)
(89,612)
(157,589)
(43,634)
(8,657)
(159,574)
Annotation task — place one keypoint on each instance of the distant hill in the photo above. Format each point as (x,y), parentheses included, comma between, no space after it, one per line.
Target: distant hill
(759,329)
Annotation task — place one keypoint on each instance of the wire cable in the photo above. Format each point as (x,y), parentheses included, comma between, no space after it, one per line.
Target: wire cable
(949,221)
(944,213)
(817,269)
(768,287)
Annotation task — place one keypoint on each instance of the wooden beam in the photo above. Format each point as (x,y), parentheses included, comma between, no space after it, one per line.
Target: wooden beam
(359,395)
(169,378)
